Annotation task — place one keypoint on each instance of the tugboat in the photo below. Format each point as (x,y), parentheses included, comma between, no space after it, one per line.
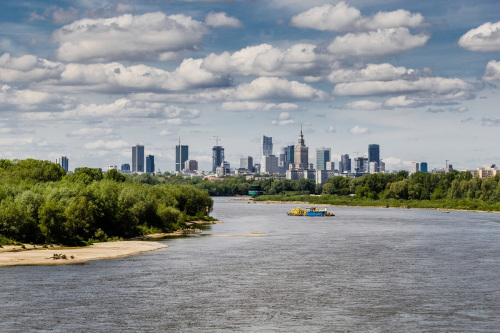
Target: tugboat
(310,211)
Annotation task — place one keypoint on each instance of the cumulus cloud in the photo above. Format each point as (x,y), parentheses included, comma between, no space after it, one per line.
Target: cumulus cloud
(257,106)
(460,109)
(12,99)
(376,43)
(284,119)
(484,38)
(275,88)
(363,105)
(91,132)
(13,142)
(492,71)
(57,14)
(490,121)
(435,85)
(266,60)
(28,68)
(115,77)
(343,17)
(331,129)
(358,130)
(101,144)
(221,20)
(371,72)
(128,37)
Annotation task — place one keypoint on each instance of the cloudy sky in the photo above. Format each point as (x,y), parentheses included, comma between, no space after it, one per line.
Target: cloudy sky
(88,79)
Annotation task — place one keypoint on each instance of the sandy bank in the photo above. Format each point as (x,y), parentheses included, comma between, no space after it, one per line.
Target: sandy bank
(15,256)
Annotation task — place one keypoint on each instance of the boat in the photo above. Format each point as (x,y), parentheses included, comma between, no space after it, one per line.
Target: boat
(310,211)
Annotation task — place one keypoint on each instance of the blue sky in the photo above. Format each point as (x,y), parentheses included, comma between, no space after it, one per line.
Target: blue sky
(89,79)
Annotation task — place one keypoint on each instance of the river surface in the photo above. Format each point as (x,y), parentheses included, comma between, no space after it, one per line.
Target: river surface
(364,270)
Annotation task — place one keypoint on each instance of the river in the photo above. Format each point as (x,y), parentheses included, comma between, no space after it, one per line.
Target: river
(364,270)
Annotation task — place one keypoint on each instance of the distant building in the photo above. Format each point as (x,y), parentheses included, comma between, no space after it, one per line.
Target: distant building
(150,164)
(301,153)
(345,164)
(359,165)
(373,167)
(423,167)
(181,156)
(266,147)
(289,156)
(487,171)
(381,167)
(138,158)
(323,155)
(330,165)
(374,155)
(246,163)
(323,175)
(191,165)
(217,157)
(269,164)
(415,167)
(125,167)
(449,168)
(296,174)
(63,162)
(112,167)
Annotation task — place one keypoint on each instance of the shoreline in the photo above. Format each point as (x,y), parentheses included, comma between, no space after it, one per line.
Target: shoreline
(37,255)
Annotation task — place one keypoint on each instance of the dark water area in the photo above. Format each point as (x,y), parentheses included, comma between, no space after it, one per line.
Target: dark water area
(364,270)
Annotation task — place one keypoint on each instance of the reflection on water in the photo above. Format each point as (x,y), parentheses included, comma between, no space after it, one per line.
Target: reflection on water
(366,269)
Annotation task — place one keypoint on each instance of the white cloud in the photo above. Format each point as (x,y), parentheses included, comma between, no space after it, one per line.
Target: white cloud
(372,72)
(128,37)
(343,17)
(363,105)
(400,101)
(257,106)
(484,38)
(28,68)
(275,88)
(331,129)
(492,71)
(100,144)
(490,121)
(435,85)
(221,20)
(284,119)
(376,43)
(358,130)
(91,132)
(13,142)
(12,99)
(165,133)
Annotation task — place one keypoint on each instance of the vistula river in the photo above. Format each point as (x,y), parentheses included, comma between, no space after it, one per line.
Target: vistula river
(364,270)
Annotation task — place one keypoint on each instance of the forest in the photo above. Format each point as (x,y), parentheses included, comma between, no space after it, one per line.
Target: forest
(40,203)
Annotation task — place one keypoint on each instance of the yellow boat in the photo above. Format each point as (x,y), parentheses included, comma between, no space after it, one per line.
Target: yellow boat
(311,211)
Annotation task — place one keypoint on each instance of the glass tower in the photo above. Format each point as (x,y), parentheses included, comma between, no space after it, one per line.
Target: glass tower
(138,158)
(181,156)
(323,155)
(150,164)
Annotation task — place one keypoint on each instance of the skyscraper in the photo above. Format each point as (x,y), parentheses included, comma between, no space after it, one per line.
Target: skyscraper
(423,167)
(415,167)
(374,155)
(289,156)
(181,156)
(63,162)
(359,164)
(323,155)
(301,153)
(345,164)
(267,146)
(246,163)
(138,158)
(217,157)
(150,164)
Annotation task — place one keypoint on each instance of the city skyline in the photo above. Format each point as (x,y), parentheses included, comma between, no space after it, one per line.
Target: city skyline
(78,79)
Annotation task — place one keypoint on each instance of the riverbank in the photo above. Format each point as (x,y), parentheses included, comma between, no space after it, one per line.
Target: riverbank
(15,255)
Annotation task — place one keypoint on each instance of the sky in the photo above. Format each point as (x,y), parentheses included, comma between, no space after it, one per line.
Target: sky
(88,79)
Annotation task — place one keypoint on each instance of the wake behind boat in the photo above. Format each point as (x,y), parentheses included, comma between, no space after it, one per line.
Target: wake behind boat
(310,211)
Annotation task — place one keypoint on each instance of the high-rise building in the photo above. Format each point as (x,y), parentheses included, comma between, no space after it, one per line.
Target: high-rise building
(63,162)
(330,166)
(323,155)
(217,157)
(150,164)
(301,153)
(359,165)
(381,167)
(289,156)
(423,167)
(266,146)
(125,167)
(373,167)
(246,163)
(270,164)
(191,165)
(415,167)
(138,158)
(345,164)
(374,155)
(181,156)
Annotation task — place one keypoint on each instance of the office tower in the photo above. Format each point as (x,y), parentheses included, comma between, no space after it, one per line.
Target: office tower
(266,146)
(125,167)
(181,156)
(423,167)
(301,153)
(449,168)
(246,163)
(415,167)
(217,157)
(289,156)
(373,167)
(270,164)
(359,164)
(330,166)
(138,158)
(374,154)
(150,164)
(345,164)
(191,165)
(282,157)
(323,155)
(63,162)
(381,167)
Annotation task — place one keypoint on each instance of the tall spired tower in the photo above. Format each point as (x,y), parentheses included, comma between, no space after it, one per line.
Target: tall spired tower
(301,153)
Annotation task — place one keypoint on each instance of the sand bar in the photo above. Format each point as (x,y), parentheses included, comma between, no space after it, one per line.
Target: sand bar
(14,256)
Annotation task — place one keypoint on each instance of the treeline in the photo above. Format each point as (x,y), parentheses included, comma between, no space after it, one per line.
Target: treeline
(40,203)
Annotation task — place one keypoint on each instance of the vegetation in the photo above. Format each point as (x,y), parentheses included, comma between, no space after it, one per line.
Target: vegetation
(40,203)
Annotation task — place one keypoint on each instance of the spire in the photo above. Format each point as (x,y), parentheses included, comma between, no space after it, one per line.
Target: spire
(301,137)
